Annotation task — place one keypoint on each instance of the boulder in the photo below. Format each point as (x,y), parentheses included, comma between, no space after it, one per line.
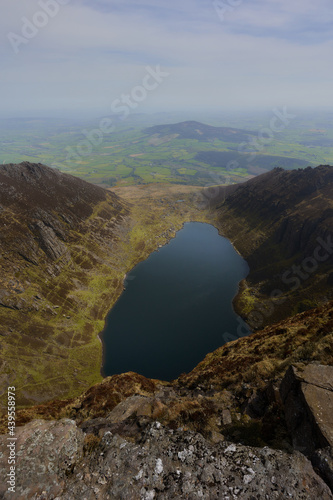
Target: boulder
(45,454)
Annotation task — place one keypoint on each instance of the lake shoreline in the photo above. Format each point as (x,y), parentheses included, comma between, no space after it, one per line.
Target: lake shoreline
(214,252)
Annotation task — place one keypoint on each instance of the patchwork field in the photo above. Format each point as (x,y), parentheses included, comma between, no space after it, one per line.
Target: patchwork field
(134,152)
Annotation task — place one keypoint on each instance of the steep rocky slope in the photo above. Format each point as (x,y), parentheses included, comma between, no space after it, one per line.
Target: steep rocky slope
(42,211)
(56,233)
(281,222)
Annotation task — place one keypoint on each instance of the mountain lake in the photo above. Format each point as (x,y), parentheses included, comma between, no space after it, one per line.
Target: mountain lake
(176,306)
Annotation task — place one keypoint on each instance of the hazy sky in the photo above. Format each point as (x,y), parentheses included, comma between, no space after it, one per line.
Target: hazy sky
(89,54)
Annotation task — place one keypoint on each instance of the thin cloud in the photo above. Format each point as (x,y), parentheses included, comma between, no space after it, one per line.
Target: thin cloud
(264,53)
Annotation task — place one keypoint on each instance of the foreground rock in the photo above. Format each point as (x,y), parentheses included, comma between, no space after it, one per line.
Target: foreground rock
(307,393)
(144,460)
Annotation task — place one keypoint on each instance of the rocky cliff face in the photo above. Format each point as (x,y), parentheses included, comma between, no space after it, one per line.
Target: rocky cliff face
(281,222)
(58,235)
(41,210)
(307,393)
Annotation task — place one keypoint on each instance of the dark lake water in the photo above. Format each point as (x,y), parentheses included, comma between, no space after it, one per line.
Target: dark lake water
(176,307)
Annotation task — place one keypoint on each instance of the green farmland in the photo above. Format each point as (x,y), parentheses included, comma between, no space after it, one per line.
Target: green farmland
(131,153)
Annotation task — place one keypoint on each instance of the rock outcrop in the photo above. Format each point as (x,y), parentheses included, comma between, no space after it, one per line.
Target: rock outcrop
(146,461)
(307,394)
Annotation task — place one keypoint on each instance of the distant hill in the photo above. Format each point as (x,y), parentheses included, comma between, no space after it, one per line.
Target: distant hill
(224,154)
(200,131)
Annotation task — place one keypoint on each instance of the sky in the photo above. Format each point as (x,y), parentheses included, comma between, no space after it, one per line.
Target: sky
(97,56)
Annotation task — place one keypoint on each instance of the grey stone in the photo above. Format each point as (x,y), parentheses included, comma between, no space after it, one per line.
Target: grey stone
(159,463)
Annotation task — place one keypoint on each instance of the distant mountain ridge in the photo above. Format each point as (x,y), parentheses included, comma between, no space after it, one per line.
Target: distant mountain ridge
(200,131)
